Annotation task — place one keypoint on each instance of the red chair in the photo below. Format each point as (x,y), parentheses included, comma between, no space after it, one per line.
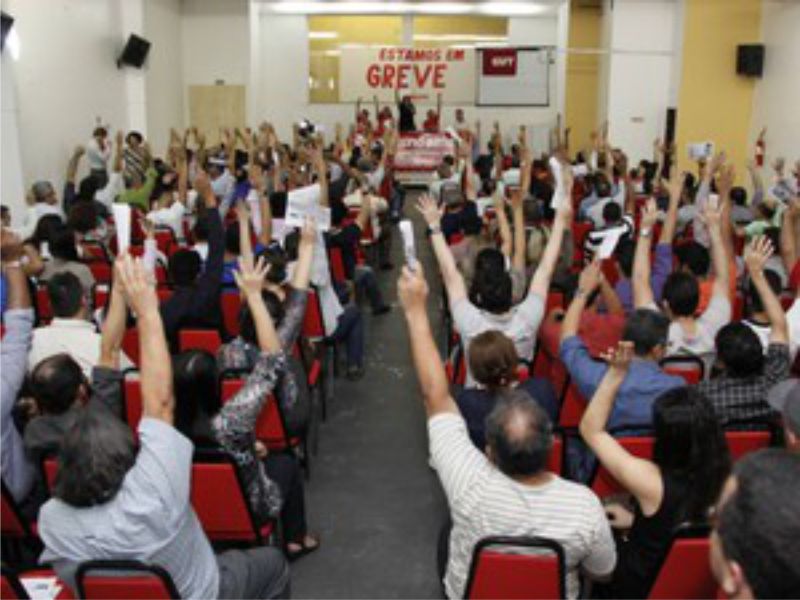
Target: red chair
(164,294)
(44,310)
(691,368)
(95,251)
(573,406)
(686,570)
(130,344)
(132,399)
(123,580)
(554,300)
(16,531)
(49,469)
(496,572)
(13,588)
(166,240)
(738,308)
(231,304)
(199,339)
(555,463)
(101,270)
(603,483)
(313,325)
(101,294)
(220,502)
(741,443)
(336,262)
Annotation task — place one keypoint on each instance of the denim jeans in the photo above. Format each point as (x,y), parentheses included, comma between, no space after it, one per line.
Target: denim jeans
(366,282)
(350,330)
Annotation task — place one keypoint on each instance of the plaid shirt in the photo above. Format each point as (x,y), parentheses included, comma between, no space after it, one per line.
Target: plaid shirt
(745,399)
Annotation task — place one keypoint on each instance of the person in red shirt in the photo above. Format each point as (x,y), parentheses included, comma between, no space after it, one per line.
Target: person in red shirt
(431,123)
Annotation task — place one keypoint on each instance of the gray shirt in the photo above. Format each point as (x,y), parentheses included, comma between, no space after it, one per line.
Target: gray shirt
(18,472)
(150,519)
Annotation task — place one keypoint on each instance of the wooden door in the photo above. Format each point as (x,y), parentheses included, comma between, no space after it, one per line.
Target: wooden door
(212,107)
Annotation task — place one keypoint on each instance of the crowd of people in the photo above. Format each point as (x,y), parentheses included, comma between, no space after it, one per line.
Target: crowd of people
(663,303)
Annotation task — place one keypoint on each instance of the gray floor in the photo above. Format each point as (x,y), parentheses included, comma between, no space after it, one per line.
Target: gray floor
(372,498)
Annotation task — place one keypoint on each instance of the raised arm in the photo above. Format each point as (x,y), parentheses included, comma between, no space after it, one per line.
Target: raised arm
(305,255)
(758,183)
(540,283)
(638,476)
(412,290)
(724,186)
(211,278)
(250,279)
(755,257)
(587,283)
(156,363)
(118,147)
(675,186)
(365,211)
(502,223)
(322,173)
(519,256)
(72,165)
(642,290)
(453,280)
(114,325)
(245,242)
(712,218)
(789,234)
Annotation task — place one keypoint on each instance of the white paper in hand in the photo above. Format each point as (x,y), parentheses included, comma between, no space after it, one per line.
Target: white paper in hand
(302,203)
(558,192)
(122,223)
(407,231)
(609,243)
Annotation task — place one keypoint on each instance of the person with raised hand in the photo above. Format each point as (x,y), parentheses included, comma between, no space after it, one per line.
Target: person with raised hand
(681,482)
(739,393)
(488,303)
(508,489)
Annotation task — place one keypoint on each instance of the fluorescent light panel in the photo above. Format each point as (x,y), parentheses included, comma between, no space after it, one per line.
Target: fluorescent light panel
(323,35)
(441,8)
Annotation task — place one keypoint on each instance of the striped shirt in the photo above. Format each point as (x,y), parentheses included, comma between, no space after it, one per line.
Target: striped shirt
(485,502)
(594,239)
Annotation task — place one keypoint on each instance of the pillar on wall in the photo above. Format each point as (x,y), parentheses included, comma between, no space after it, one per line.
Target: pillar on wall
(12,188)
(583,71)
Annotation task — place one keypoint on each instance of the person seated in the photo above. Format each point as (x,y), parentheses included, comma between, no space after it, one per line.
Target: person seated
(741,214)
(647,330)
(84,219)
(784,397)
(754,549)
(71,332)
(756,317)
(494,363)
(18,472)
(168,205)
(682,481)
(687,335)
(200,234)
(65,259)
(613,220)
(488,304)
(507,491)
(195,301)
(61,389)
(114,502)
(739,393)
(287,313)
(201,416)
(662,262)
(42,201)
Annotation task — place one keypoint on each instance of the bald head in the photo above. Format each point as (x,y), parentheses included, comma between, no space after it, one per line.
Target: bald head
(519,434)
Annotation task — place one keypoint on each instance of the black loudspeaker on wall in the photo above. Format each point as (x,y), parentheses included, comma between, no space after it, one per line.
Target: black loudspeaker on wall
(135,52)
(750,60)
(669,138)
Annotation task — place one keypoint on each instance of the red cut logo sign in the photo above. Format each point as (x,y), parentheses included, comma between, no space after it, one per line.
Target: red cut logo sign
(417,151)
(499,62)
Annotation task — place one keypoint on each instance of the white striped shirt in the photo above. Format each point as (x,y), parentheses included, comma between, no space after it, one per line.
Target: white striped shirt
(485,502)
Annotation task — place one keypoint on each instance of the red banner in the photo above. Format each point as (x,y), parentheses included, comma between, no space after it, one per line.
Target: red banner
(420,151)
(499,62)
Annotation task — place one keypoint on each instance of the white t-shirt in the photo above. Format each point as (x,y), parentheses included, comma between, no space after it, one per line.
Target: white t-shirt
(792,322)
(36,212)
(171,217)
(701,343)
(520,325)
(485,502)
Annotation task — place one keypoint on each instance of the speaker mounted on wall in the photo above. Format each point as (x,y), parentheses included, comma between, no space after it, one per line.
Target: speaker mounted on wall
(6,22)
(135,52)
(750,60)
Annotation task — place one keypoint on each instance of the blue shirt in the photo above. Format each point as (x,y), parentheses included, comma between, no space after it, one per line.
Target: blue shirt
(634,402)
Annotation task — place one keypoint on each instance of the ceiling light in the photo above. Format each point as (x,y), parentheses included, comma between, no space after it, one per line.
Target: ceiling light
(392,7)
(322,35)
(508,9)
(442,8)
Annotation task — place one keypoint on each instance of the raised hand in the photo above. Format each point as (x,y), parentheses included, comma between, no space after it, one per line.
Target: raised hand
(676,183)
(590,277)
(202,186)
(712,217)
(619,358)
(649,214)
(250,277)
(727,176)
(243,211)
(757,254)
(412,289)
(140,290)
(308,233)
(427,207)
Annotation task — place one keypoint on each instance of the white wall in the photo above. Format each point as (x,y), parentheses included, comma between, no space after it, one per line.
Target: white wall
(164,69)
(777,99)
(12,186)
(281,81)
(215,44)
(65,77)
(640,72)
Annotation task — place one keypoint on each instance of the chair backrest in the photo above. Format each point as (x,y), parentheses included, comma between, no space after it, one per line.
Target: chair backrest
(199,339)
(94,251)
(313,325)
(691,368)
(218,499)
(132,397)
(270,427)
(11,587)
(100,295)
(231,304)
(573,406)
(686,571)
(556,462)
(123,580)
(49,469)
(337,265)
(744,442)
(101,270)
(12,523)
(166,240)
(603,484)
(496,572)
(44,309)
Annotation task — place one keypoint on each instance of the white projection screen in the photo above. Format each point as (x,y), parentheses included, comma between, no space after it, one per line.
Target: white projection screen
(513,76)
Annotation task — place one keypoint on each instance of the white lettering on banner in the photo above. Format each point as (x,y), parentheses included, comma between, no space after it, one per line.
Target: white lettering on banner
(423,151)
(419,72)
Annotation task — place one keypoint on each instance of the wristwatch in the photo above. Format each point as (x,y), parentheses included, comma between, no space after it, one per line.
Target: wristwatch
(435,229)
(645,232)
(12,264)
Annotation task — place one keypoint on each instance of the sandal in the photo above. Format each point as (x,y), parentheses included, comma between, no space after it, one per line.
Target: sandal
(305,549)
